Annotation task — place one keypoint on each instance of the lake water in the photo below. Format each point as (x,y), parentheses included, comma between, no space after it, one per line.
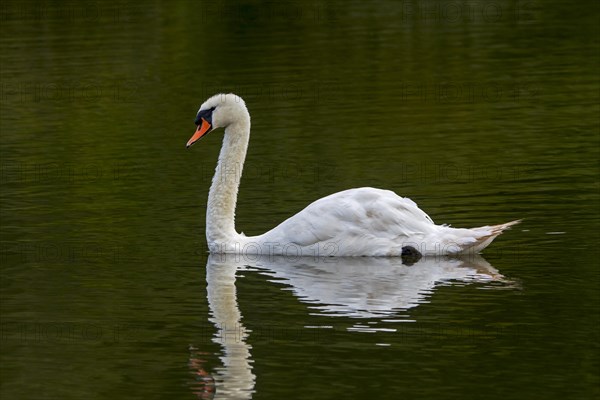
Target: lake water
(481,112)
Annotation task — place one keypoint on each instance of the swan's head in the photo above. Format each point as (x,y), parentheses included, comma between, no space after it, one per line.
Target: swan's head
(220,111)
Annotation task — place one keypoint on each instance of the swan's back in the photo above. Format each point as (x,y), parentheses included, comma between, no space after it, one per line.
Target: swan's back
(355,222)
(371,222)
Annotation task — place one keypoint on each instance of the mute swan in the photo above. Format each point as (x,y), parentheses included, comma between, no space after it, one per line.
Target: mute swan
(355,222)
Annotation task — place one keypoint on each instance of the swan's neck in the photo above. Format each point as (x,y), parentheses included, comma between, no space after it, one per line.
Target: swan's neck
(222,198)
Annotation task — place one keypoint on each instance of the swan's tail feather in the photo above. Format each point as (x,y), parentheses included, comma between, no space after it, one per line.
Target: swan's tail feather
(485,235)
(498,229)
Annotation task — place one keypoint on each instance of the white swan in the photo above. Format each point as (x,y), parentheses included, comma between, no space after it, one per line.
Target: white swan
(354,222)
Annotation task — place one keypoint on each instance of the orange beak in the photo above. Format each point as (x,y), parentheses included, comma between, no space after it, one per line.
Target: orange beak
(202,130)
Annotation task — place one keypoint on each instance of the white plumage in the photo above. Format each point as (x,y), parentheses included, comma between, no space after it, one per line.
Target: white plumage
(355,222)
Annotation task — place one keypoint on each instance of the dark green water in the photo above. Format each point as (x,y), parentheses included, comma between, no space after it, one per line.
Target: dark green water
(481,112)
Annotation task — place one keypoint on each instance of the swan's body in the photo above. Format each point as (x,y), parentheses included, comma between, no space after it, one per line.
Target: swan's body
(355,222)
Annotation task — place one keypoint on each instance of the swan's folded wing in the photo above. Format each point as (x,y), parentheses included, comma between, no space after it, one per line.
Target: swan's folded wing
(354,215)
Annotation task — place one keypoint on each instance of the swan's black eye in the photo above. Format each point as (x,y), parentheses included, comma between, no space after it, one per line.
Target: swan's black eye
(206,114)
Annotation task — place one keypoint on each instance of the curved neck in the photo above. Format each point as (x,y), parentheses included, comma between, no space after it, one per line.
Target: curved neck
(222,198)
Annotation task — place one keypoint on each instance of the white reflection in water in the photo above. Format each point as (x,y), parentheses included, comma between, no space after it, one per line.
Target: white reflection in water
(360,287)
(370,287)
(234,380)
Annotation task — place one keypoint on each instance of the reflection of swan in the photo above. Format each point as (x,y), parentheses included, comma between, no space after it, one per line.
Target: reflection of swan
(357,287)
(355,222)
(366,287)
(235,379)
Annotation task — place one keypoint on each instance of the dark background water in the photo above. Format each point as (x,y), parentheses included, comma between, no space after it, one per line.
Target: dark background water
(481,112)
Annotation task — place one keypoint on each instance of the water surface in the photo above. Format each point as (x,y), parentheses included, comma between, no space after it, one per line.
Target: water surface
(479,116)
